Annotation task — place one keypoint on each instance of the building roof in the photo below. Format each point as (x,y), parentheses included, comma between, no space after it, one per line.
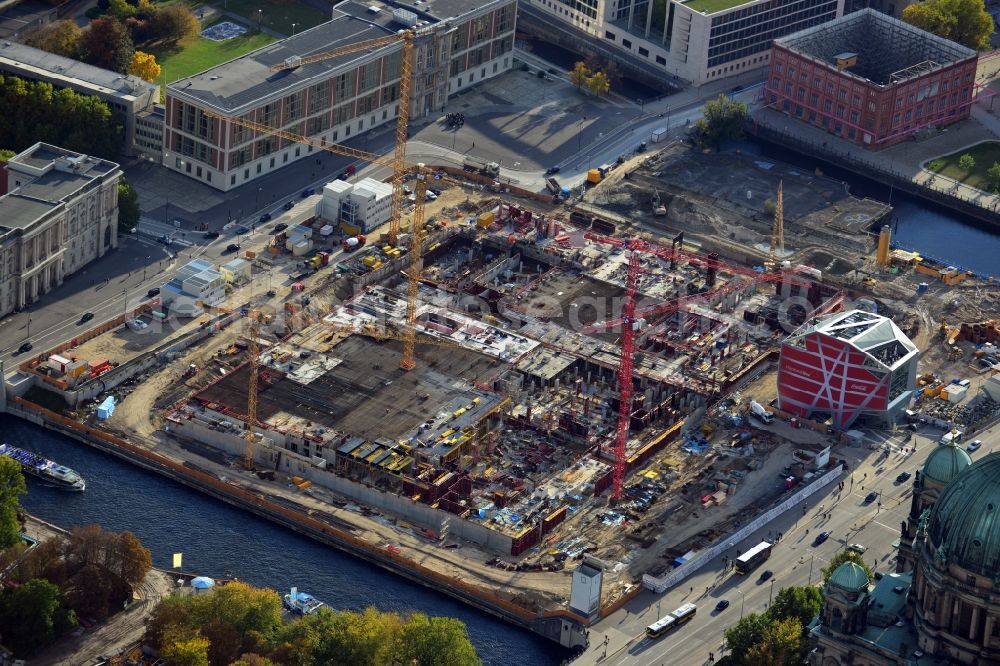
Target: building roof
(244,81)
(965,521)
(51,67)
(873,334)
(50,176)
(850,576)
(888,50)
(714,6)
(945,462)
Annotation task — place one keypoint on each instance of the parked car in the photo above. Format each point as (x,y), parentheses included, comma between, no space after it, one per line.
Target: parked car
(974,445)
(308,191)
(242,229)
(87,316)
(279,227)
(289,205)
(210,235)
(903,476)
(165,239)
(871,497)
(232,247)
(722,605)
(266,217)
(821,537)
(551,171)
(25,348)
(765,576)
(857,548)
(155,291)
(136,324)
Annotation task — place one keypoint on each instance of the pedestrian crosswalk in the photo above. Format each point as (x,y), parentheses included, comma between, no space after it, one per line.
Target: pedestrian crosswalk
(152,232)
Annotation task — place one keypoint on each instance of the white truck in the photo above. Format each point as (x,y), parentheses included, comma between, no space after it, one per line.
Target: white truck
(757,410)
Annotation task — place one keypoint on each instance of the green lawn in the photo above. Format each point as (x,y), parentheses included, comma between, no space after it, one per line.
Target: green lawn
(713,6)
(277,16)
(985,154)
(198,54)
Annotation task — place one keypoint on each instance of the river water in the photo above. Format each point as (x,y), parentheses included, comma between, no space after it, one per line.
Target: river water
(218,540)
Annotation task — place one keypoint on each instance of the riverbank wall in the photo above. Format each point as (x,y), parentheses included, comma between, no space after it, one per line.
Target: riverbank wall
(563,627)
(861,162)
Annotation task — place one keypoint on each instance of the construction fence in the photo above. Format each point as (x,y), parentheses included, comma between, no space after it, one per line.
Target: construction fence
(663,583)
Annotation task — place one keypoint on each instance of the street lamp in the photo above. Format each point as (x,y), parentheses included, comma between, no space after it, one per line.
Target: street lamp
(743,599)
(770,594)
(260,19)
(293,29)
(579,134)
(256,199)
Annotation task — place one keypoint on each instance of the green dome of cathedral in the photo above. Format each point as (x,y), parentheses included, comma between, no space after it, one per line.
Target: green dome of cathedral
(945,462)
(965,521)
(850,576)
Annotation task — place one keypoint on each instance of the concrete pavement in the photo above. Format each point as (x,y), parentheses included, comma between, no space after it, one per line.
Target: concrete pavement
(794,561)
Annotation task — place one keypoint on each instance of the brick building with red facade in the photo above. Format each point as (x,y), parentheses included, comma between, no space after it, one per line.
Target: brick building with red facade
(871,79)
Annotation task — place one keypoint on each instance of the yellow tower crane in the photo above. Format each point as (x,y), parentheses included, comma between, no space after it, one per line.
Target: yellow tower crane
(398,161)
(777,232)
(254,351)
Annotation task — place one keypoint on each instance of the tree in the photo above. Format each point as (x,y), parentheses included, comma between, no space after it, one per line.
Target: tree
(61,38)
(106,43)
(613,73)
(799,603)
(6,154)
(32,616)
(224,642)
(964,21)
(599,84)
(435,641)
(967,162)
(840,558)
(191,651)
(579,75)
(172,23)
(144,66)
(121,9)
(993,175)
(746,633)
(724,118)
(782,644)
(11,488)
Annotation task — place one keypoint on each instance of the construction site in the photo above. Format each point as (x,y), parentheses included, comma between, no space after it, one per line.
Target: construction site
(497,385)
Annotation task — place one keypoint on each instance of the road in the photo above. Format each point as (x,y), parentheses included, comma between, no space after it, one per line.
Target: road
(795,561)
(120,280)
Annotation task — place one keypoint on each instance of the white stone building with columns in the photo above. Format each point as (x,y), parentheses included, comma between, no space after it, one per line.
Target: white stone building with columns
(60,212)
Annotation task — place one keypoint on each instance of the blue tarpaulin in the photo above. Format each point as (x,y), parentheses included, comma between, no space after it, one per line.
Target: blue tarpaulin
(106,408)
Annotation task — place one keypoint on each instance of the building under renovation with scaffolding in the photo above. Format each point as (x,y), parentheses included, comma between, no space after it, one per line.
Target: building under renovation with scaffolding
(872,79)
(505,429)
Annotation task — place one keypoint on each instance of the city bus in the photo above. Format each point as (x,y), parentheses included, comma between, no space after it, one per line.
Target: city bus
(751,559)
(670,622)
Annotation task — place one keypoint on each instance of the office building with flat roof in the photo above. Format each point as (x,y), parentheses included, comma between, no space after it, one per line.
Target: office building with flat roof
(459,44)
(695,40)
(60,213)
(872,79)
(128,96)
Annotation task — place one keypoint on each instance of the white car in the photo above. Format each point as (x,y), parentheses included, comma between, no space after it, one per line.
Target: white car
(974,445)
(857,548)
(137,324)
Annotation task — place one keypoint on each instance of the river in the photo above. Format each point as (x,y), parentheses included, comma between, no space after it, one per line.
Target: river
(221,541)
(925,227)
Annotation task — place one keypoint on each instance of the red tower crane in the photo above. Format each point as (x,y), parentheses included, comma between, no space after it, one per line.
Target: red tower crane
(630,317)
